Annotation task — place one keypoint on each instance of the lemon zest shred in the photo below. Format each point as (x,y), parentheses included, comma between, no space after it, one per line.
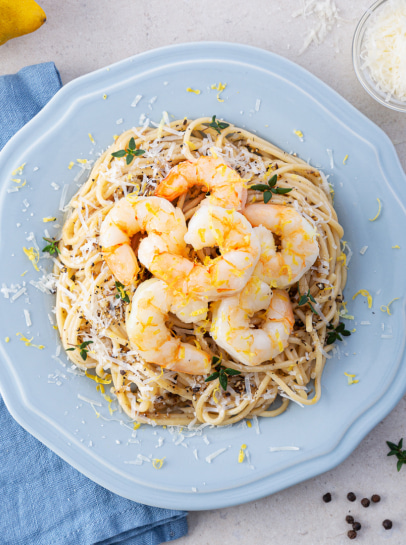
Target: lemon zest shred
(24,273)
(249,423)
(214,154)
(195,91)
(91,137)
(364,293)
(379,211)
(241,454)
(343,312)
(397,247)
(385,308)
(191,145)
(7,339)
(345,159)
(220,88)
(82,161)
(104,96)
(28,342)
(98,379)
(197,312)
(33,256)
(217,389)
(350,378)
(298,133)
(111,411)
(158,462)
(100,388)
(136,425)
(48,219)
(70,165)
(19,169)
(342,257)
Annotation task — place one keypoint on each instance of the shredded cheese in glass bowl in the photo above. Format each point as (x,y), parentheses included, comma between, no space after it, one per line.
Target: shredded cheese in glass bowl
(379,53)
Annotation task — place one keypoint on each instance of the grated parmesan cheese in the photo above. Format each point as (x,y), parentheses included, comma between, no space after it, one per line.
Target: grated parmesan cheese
(383,49)
(325,14)
(213,455)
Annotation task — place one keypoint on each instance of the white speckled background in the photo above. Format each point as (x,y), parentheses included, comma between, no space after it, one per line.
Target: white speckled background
(83,35)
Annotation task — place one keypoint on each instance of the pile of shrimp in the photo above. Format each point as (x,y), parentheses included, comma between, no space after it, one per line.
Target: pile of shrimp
(181,277)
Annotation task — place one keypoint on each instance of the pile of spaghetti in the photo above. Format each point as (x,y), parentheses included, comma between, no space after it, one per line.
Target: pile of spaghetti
(93,307)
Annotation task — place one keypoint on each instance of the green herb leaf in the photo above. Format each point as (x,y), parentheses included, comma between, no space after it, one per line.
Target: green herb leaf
(82,347)
(307,299)
(122,294)
(260,187)
(120,153)
(223,379)
(232,372)
(51,247)
(130,152)
(335,333)
(270,189)
(221,373)
(218,126)
(282,190)
(213,376)
(272,181)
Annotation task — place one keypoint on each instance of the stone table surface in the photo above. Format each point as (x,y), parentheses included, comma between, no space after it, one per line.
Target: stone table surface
(83,35)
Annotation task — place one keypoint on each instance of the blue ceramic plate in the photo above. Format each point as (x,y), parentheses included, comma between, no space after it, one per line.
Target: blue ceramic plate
(267,94)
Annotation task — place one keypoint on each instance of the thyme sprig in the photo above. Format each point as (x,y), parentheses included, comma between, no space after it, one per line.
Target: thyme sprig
(307,299)
(335,334)
(122,294)
(130,152)
(218,126)
(222,373)
(51,247)
(82,348)
(396,450)
(270,189)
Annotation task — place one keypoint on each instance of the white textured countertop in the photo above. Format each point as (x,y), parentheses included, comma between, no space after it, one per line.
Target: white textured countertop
(83,35)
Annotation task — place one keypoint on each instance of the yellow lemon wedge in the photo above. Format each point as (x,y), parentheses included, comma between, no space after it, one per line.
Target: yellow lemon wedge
(19,17)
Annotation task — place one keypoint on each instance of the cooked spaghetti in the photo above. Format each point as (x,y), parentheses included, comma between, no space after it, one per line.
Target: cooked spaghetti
(93,308)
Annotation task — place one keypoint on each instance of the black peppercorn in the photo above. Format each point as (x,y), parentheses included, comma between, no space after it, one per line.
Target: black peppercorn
(356,526)
(349,519)
(351,496)
(122,372)
(327,497)
(365,502)
(376,498)
(387,524)
(352,534)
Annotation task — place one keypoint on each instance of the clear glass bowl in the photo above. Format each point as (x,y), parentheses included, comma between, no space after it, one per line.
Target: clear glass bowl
(363,74)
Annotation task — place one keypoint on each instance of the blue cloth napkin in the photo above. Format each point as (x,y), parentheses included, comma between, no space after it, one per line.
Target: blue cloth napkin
(43,500)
